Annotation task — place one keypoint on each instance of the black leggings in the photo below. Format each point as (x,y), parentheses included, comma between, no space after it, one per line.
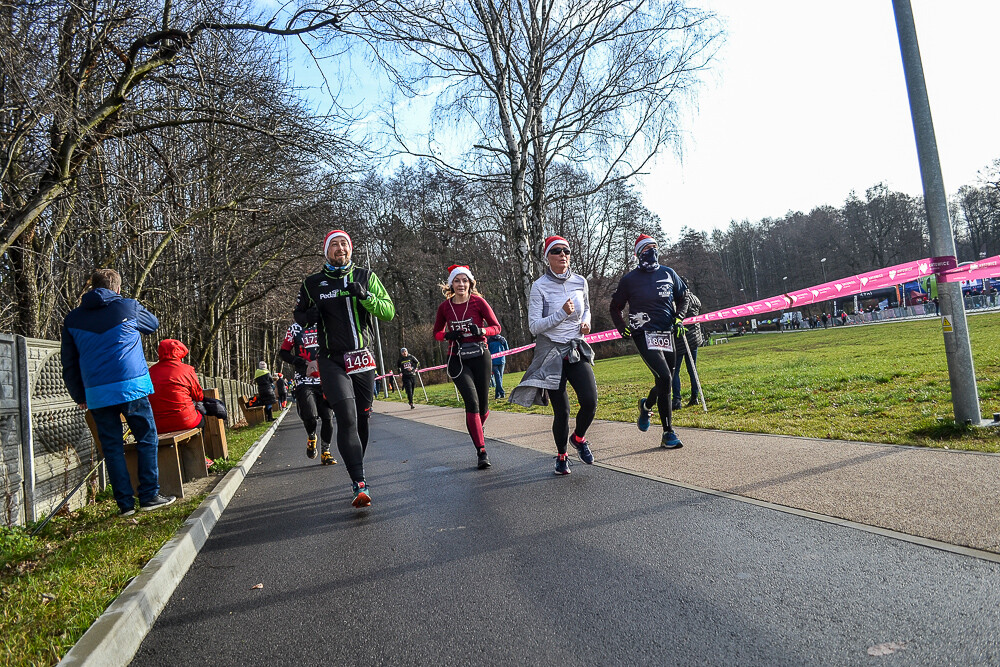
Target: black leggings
(472,378)
(581,377)
(350,397)
(312,407)
(409,383)
(662,365)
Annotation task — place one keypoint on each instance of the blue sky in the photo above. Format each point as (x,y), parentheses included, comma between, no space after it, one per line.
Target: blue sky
(805,102)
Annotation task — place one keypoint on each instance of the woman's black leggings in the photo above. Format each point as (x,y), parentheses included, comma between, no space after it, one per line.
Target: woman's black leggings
(472,378)
(581,377)
(662,365)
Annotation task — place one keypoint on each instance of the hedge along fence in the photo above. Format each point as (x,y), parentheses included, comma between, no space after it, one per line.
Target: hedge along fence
(45,445)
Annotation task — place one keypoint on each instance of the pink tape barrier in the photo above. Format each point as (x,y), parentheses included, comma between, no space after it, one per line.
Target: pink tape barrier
(600,337)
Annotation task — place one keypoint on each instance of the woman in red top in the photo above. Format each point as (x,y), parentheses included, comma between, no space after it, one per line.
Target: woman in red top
(465,320)
(175,389)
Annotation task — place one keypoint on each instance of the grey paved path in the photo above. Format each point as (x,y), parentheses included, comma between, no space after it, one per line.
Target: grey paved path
(937,494)
(513,565)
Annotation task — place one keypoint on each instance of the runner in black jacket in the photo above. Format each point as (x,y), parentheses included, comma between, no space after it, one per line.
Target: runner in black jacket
(654,295)
(408,365)
(341,300)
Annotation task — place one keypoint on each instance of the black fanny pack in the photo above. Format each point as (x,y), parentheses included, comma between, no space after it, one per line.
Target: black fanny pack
(470,350)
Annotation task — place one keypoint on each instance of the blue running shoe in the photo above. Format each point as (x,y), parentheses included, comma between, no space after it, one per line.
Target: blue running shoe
(362,495)
(582,448)
(562,465)
(670,440)
(644,416)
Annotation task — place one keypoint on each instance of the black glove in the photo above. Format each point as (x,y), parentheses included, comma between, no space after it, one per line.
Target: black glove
(626,332)
(357,290)
(474,330)
(453,335)
(301,365)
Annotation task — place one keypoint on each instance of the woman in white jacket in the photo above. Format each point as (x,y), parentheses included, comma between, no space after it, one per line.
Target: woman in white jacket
(559,317)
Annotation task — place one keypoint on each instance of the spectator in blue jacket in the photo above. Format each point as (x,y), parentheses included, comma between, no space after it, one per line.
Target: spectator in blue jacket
(105,371)
(498,344)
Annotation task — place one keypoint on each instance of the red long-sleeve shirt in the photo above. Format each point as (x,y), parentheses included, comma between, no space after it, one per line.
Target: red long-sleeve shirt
(475,310)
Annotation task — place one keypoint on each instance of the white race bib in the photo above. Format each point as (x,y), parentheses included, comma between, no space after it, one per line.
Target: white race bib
(359,361)
(661,341)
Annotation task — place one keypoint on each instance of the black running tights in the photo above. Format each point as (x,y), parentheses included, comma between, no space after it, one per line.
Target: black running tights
(662,365)
(581,377)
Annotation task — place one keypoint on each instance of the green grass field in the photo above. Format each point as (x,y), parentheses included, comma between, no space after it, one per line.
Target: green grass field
(883,383)
(54,585)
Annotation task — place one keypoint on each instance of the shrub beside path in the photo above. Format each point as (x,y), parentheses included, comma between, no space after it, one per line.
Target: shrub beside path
(943,495)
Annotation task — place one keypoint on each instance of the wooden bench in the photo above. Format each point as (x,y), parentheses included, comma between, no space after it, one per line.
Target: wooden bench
(180,458)
(215,433)
(253,415)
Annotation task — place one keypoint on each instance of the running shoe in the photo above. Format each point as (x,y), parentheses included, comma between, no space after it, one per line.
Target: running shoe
(157,502)
(311,447)
(670,440)
(483,459)
(362,495)
(676,404)
(694,400)
(562,465)
(126,512)
(582,448)
(644,416)
(327,458)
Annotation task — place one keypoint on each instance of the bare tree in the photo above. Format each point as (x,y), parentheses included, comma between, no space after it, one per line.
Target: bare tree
(530,83)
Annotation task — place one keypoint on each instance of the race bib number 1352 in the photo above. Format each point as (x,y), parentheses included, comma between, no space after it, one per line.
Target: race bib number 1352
(359,361)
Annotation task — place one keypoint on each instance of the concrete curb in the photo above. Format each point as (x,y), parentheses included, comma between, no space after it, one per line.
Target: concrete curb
(115,636)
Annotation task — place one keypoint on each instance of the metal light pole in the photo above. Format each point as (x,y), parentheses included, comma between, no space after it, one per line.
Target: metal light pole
(822,263)
(378,335)
(958,351)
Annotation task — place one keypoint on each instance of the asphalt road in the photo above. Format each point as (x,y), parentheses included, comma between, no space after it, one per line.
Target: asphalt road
(513,565)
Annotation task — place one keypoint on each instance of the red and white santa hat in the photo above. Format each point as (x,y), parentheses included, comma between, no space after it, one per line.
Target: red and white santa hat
(643,241)
(457,269)
(334,234)
(554,241)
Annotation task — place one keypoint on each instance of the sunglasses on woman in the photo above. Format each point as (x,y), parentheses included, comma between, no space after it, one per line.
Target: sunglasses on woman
(560,251)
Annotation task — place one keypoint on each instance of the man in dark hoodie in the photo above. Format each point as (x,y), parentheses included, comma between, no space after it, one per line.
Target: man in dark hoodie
(105,371)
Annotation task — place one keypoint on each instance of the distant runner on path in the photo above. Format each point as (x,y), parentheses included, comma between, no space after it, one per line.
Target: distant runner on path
(408,366)
(465,320)
(654,295)
(341,301)
(559,317)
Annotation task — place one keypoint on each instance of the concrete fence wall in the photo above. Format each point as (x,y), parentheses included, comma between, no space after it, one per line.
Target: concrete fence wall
(45,445)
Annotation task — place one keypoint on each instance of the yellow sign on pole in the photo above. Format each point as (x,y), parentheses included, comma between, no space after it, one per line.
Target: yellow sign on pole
(946,324)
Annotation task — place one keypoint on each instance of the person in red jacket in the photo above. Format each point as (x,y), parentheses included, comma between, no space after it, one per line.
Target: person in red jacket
(465,320)
(175,389)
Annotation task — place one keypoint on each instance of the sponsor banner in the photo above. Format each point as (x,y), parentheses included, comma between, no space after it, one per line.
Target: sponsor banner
(984,268)
(944,267)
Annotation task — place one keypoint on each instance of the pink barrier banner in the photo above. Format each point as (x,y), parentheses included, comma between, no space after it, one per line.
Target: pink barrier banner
(944,267)
(984,268)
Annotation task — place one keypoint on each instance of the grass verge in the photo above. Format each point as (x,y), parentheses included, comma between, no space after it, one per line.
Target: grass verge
(54,585)
(882,383)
